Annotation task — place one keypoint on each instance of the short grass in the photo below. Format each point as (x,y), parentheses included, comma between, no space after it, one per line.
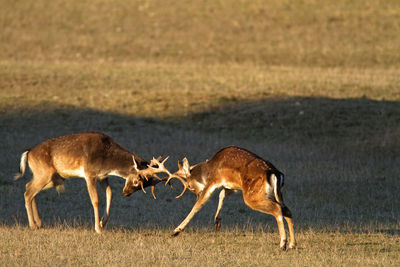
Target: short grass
(236,247)
(313,88)
(301,33)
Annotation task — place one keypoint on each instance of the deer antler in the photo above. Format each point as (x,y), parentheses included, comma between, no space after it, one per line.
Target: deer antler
(150,171)
(161,168)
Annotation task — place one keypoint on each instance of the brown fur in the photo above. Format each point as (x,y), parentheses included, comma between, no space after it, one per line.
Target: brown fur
(233,169)
(92,156)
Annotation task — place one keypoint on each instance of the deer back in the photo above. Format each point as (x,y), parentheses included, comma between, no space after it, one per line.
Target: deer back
(232,168)
(76,154)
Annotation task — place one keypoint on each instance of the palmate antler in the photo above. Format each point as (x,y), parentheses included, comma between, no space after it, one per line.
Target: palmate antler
(161,168)
(152,169)
(148,173)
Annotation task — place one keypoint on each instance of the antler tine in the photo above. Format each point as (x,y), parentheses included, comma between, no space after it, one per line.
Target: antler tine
(154,161)
(144,173)
(157,162)
(154,183)
(162,163)
(152,188)
(141,185)
(170,176)
(152,170)
(162,168)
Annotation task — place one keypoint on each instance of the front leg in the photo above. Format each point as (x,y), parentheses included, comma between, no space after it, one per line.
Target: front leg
(91,185)
(217,219)
(201,200)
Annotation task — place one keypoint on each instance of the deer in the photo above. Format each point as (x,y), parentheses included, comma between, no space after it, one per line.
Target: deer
(90,155)
(232,169)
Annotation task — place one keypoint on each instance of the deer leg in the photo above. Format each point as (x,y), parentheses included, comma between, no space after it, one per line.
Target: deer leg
(91,185)
(36,217)
(29,197)
(201,200)
(259,203)
(217,219)
(287,214)
(281,228)
(32,189)
(107,189)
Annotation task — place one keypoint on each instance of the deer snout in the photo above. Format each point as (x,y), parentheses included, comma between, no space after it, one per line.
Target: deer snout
(127,193)
(128,190)
(130,187)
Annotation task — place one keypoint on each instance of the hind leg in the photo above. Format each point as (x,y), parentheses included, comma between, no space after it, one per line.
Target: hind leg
(29,197)
(288,217)
(267,206)
(32,189)
(36,217)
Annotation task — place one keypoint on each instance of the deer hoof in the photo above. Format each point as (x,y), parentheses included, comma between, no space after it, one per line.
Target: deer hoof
(176,232)
(217,224)
(103,222)
(33,227)
(39,224)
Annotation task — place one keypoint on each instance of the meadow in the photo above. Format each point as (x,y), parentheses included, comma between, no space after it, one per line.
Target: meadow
(312,86)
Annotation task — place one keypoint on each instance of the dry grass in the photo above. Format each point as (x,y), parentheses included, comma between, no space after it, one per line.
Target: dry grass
(313,88)
(237,247)
(301,33)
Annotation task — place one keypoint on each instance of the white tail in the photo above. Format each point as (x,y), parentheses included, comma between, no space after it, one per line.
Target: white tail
(276,184)
(92,156)
(22,165)
(233,169)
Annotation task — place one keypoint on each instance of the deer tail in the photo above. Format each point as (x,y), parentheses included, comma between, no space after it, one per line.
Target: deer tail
(22,165)
(277,183)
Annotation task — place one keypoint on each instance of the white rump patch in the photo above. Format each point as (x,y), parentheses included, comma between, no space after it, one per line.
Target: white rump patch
(274,181)
(268,189)
(22,163)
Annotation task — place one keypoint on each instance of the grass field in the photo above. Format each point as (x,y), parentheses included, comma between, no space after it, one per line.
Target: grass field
(312,87)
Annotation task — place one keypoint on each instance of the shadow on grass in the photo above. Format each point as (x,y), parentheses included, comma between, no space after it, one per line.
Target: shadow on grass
(354,182)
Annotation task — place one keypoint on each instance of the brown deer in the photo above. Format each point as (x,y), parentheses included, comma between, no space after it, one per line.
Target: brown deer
(93,156)
(233,169)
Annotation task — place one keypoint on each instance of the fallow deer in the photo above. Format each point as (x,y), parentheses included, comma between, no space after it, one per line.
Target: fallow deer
(93,156)
(233,169)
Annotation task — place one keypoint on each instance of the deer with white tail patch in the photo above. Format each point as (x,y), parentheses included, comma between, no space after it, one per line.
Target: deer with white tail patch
(233,169)
(93,156)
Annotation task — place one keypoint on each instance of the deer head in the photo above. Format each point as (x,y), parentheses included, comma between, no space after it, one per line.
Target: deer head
(144,177)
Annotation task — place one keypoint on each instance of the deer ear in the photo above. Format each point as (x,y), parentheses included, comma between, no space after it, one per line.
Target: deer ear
(179,165)
(186,165)
(134,163)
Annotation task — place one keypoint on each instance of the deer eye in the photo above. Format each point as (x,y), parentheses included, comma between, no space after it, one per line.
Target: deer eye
(136,182)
